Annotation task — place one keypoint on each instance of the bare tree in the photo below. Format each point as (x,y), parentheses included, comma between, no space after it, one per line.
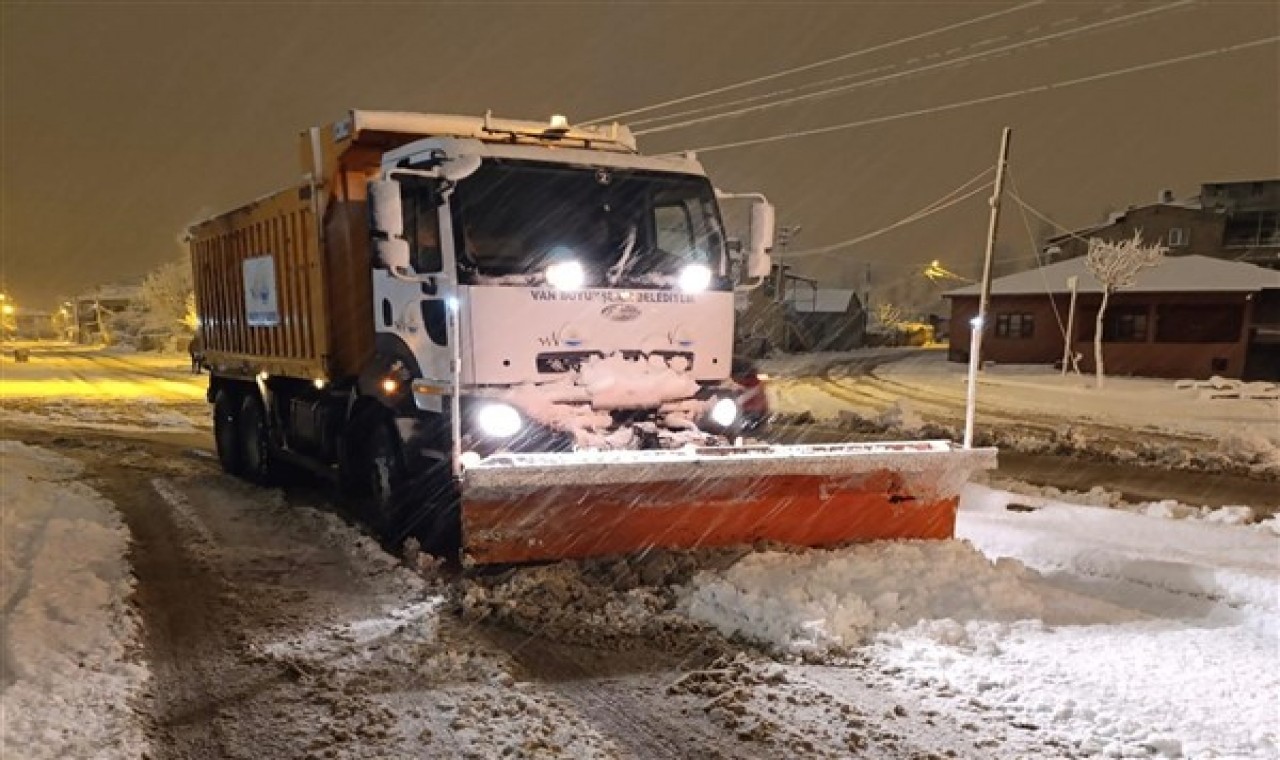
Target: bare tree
(1115,266)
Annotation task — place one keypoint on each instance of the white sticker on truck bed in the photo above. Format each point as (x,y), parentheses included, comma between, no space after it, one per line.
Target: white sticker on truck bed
(260,304)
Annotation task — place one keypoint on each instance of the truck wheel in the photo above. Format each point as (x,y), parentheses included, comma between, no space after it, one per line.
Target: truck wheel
(255,441)
(226,436)
(385,477)
(439,529)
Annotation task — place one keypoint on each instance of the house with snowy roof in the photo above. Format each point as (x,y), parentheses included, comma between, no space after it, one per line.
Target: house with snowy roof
(1234,221)
(1229,220)
(1190,316)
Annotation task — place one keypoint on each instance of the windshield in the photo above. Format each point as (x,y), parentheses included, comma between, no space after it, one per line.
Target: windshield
(625,228)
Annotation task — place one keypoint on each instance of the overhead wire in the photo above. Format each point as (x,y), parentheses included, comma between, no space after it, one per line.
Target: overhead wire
(815,64)
(957,195)
(918,70)
(989,98)
(1044,278)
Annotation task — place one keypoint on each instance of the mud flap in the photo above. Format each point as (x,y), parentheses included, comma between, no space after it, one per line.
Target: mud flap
(529,507)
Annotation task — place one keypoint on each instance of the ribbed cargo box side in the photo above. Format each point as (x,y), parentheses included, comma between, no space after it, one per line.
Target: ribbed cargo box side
(260,285)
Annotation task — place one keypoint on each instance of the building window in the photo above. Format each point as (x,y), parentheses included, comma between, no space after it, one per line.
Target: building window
(1125,324)
(1196,323)
(1250,230)
(1178,237)
(1015,325)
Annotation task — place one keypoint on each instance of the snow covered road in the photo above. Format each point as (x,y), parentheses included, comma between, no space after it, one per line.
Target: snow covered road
(88,387)
(265,623)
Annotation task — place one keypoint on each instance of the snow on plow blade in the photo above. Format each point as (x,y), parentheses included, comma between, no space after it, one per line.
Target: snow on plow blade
(528,507)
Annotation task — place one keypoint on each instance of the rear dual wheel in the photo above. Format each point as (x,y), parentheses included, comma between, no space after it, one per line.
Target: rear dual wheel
(226,431)
(257,460)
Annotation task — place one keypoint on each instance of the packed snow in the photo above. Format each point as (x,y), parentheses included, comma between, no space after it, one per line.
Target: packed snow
(69,386)
(1122,634)
(72,669)
(1237,423)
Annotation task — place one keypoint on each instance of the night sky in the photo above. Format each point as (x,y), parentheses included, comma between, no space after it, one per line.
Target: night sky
(122,123)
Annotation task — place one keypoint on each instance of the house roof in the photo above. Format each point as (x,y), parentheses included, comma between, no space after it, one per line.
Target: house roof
(820,300)
(1176,274)
(1191,205)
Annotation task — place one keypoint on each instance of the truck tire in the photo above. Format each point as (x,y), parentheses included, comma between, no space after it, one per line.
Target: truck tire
(257,461)
(226,433)
(385,478)
(438,522)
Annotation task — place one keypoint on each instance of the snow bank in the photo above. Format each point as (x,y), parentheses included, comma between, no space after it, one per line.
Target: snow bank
(1210,557)
(822,600)
(1110,633)
(70,670)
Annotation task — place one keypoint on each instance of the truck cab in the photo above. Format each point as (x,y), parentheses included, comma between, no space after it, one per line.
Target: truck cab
(558,298)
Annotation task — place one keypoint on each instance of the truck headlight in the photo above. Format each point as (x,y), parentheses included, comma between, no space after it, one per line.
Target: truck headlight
(566,275)
(724,412)
(695,278)
(499,420)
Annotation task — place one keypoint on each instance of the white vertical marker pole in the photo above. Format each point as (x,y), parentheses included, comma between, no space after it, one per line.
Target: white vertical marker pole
(979,322)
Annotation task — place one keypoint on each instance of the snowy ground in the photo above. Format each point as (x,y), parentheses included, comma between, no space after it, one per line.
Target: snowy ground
(1235,427)
(1055,625)
(65,385)
(72,672)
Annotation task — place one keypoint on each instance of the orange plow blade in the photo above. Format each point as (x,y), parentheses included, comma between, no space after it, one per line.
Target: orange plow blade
(529,507)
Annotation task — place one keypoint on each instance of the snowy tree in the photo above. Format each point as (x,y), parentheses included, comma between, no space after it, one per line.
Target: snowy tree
(164,313)
(1115,265)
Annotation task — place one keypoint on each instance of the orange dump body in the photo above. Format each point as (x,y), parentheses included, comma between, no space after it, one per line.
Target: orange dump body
(523,508)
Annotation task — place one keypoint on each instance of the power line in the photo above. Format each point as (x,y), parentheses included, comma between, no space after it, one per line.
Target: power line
(990,98)
(946,201)
(921,69)
(1044,278)
(814,65)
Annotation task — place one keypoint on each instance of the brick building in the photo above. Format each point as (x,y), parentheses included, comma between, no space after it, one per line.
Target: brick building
(1191,316)
(1234,221)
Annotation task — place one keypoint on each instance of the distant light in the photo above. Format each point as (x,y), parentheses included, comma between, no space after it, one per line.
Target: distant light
(695,278)
(976,323)
(559,123)
(470,459)
(319,383)
(263,376)
(390,385)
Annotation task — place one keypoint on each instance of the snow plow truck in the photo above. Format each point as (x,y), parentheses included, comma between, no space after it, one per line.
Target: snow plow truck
(515,339)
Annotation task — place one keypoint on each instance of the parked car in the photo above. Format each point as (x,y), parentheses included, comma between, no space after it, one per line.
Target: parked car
(753,402)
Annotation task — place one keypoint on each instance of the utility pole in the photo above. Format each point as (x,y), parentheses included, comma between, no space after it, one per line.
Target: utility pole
(979,322)
(1068,356)
(785,236)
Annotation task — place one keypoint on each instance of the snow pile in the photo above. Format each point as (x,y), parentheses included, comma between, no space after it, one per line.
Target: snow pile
(605,603)
(1158,636)
(1258,451)
(69,671)
(901,416)
(817,601)
(615,382)
(1033,497)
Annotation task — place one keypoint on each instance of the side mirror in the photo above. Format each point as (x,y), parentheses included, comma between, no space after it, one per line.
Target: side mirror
(455,170)
(392,254)
(386,217)
(759,263)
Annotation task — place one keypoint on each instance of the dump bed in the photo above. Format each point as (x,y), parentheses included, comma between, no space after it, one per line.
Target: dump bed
(260,286)
(282,284)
